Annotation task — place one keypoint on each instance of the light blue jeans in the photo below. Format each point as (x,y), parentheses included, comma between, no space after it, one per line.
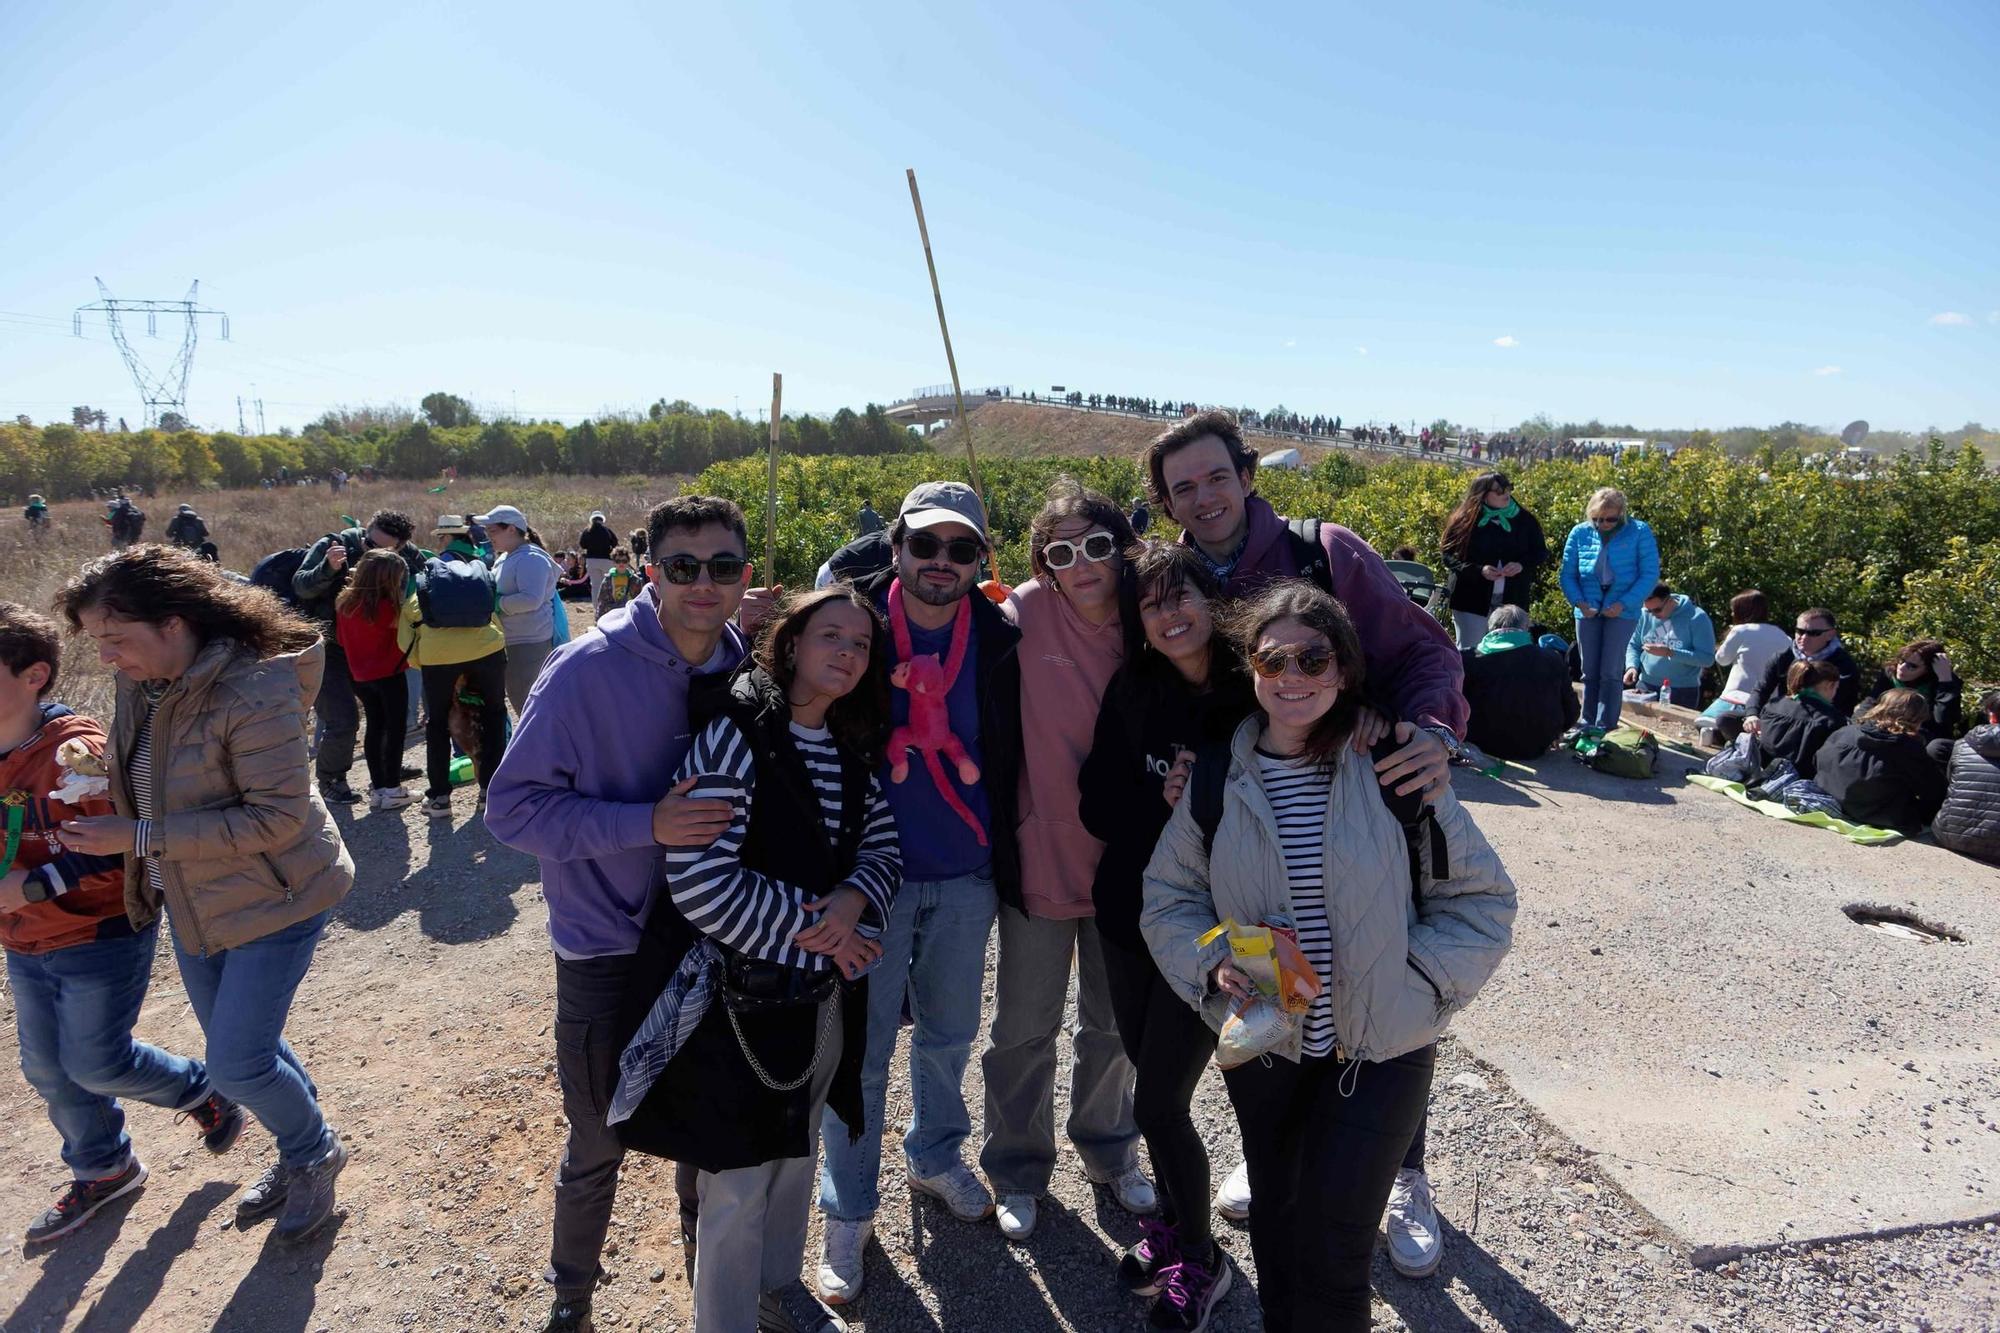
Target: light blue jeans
(1602,644)
(935,947)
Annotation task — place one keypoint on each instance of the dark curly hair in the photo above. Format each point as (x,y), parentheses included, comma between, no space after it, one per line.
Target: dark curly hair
(859,720)
(152,584)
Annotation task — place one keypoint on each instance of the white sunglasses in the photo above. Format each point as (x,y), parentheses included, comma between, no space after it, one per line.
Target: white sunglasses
(1096,547)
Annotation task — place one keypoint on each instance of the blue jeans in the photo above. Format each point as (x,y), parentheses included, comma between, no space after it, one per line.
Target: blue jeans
(75,1009)
(1602,645)
(241,996)
(935,947)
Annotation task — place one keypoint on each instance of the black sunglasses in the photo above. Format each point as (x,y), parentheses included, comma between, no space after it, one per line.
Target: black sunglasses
(722,569)
(959,550)
(1806,632)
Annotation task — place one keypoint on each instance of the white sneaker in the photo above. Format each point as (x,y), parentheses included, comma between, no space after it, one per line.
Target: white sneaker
(840,1259)
(390,798)
(1416,1242)
(1233,1199)
(959,1190)
(1133,1191)
(1016,1215)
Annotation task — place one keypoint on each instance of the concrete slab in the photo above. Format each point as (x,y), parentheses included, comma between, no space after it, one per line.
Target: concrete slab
(1688,1001)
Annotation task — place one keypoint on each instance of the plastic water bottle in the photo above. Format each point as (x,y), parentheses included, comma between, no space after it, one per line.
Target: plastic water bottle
(1666,695)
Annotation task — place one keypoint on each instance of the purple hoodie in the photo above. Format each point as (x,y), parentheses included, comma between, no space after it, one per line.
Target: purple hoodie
(603,732)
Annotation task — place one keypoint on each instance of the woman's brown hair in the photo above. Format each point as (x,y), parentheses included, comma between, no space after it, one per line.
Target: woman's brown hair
(377,580)
(152,584)
(859,719)
(1903,712)
(1749,608)
(1070,501)
(1296,599)
(1464,520)
(1804,675)
(1921,651)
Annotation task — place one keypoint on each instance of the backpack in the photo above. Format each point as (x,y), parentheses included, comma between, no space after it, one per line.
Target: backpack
(274,573)
(1309,553)
(455,594)
(1623,752)
(1423,838)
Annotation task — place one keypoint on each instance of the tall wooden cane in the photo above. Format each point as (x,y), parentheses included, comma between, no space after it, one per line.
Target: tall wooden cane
(771,485)
(958,395)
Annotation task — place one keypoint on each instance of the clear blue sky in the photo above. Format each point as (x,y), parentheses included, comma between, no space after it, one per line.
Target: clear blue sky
(1687,214)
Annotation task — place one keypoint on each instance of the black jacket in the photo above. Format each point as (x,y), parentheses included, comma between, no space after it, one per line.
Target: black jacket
(187,530)
(1149,713)
(1969,820)
(1944,698)
(1795,729)
(597,541)
(1491,544)
(1521,700)
(1881,778)
(1845,695)
(708,1108)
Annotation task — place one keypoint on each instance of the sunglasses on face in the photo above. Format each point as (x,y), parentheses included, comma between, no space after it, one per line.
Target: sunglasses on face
(1613,519)
(1096,547)
(722,569)
(1807,632)
(1270,663)
(959,550)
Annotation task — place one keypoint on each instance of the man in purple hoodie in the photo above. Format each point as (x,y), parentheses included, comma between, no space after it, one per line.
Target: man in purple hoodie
(588,787)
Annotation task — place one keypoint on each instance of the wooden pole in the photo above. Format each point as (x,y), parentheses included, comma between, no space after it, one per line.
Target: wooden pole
(958,394)
(771,484)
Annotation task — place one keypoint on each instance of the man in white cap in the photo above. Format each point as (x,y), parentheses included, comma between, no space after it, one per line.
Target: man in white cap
(524,578)
(596,542)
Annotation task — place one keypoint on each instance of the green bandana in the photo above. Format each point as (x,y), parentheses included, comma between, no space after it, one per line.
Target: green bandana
(1500,640)
(1504,517)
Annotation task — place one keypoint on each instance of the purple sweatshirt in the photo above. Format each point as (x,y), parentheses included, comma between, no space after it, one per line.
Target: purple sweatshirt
(598,744)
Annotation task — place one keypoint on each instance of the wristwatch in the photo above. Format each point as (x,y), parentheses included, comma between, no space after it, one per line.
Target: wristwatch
(36,889)
(1449,738)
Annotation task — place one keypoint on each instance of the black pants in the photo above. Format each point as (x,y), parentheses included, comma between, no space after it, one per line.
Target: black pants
(1169,1045)
(487,678)
(385,708)
(339,718)
(1323,1139)
(591,1001)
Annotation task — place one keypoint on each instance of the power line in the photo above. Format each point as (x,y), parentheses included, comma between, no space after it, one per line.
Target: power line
(165,393)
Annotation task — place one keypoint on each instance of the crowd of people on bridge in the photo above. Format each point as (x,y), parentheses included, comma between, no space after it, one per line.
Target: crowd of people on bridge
(1206,780)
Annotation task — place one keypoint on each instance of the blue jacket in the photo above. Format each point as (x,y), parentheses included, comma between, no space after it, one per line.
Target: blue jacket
(1635,566)
(1687,630)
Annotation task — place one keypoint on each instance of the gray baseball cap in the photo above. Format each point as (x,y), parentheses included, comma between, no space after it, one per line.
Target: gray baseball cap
(937,502)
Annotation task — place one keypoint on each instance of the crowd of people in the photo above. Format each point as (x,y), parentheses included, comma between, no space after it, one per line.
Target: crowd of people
(1227,816)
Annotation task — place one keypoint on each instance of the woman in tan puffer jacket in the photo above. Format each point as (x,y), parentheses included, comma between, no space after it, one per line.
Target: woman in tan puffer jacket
(221,825)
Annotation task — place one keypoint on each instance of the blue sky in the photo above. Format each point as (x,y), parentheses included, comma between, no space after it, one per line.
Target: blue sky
(1688,215)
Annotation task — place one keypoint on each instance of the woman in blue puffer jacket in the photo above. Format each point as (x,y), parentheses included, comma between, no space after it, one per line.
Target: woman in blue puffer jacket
(1610,562)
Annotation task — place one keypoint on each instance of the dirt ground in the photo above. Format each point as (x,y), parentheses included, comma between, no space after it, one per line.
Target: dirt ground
(426,1022)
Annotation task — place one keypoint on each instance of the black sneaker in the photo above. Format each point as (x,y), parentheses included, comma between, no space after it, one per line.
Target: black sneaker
(266,1192)
(1140,1268)
(337,791)
(220,1121)
(82,1198)
(309,1195)
(1189,1293)
(569,1317)
(793,1309)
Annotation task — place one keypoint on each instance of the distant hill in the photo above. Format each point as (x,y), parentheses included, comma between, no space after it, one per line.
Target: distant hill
(1032,430)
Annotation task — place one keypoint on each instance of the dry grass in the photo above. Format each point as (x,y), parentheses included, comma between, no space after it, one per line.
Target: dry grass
(248,525)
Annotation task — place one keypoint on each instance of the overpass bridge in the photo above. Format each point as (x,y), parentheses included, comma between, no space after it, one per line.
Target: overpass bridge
(933,403)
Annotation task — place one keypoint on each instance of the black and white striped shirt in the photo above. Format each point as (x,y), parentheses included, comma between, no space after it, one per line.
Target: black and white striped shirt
(753,913)
(1298,790)
(142,790)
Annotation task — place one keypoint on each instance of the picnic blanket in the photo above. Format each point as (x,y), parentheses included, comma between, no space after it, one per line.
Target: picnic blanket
(1865,834)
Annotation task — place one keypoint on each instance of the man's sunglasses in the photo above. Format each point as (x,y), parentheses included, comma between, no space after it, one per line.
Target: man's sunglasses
(959,550)
(1096,547)
(1807,632)
(722,569)
(1270,663)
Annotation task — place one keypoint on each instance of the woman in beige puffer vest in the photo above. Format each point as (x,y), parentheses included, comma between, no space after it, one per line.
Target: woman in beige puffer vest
(222,827)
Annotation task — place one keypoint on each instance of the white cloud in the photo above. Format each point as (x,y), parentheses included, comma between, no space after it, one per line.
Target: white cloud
(1506,340)
(1291,342)
(1950,319)
(1362,350)
(1826,370)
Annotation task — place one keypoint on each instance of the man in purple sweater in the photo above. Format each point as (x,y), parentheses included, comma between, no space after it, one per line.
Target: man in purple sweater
(588,787)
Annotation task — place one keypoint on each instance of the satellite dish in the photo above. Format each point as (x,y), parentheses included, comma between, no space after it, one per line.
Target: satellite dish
(1856,432)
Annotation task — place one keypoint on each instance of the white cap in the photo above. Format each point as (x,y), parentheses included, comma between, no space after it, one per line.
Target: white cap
(507,514)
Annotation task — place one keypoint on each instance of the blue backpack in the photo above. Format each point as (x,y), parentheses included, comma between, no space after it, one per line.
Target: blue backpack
(274,573)
(455,594)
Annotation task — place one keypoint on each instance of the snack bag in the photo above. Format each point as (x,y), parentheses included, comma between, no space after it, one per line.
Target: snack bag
(1270,956)
(83,774)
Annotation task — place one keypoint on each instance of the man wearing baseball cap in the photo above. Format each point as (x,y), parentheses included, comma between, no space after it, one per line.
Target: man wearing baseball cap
(957,841)
(524,580)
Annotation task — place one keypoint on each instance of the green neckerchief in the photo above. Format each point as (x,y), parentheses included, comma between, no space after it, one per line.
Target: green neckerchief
(1500,640)
(1504,517)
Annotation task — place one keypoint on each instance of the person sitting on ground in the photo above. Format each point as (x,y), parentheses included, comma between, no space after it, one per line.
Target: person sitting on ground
(187,529)
(1492,548)
(1815,638)
(621,585)
(1879,769)
(1969,820)
(573,580)
(1519,692)
(1748,649)
(1924,666)
(1674,642)
(1795,725)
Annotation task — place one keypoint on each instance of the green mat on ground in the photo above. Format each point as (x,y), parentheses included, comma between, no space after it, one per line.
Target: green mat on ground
(1865,834)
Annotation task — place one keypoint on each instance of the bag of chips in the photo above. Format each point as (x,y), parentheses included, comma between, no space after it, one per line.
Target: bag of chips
(1285,982)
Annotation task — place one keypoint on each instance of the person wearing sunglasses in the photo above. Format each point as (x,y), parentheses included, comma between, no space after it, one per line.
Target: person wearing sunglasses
(1610,563)
(954,869)
(1072,642)
(524,581)
(1815,638)
(1304,838)
(588,786)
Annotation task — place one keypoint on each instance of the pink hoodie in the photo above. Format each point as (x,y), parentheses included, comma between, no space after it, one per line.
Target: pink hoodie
(1065,664)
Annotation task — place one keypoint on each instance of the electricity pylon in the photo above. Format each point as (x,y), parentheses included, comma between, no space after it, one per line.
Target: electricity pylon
(168,392)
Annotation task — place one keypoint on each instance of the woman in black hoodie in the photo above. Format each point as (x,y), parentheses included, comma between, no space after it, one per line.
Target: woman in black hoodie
(1796,726)
(1922,665)
(1181,687)
(1492,547)
(1879,770)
